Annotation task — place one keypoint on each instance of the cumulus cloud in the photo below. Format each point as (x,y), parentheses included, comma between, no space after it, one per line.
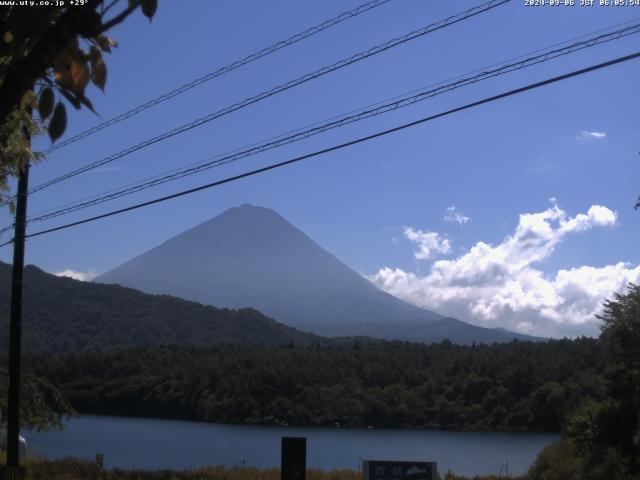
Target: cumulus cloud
(452,215)
(82,276)
(428,243)
(591,135)
(499,285)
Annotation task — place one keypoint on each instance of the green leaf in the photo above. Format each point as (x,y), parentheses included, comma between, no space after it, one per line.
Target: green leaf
(87,103)
(58,122)
(98,68)
(149,8)
(105,43)
(71,98)
(45,103)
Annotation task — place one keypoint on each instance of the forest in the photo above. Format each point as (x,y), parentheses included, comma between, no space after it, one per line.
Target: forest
(64,315)
(587,388)
(520,386)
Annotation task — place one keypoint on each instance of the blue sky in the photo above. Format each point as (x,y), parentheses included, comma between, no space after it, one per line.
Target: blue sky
(556,153)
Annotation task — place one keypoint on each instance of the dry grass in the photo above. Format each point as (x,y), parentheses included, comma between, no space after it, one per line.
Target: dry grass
(453,476)
(75,469)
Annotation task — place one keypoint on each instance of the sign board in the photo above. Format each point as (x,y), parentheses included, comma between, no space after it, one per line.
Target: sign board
(293,464)
(392,470)
(99,460)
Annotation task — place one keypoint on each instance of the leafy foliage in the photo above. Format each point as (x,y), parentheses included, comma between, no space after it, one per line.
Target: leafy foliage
(516,386)
(602,439)
(558,462)
(61,314)
(58,122)
(149,8)
(43,406)
(45,105)
(40,47)
(15,128)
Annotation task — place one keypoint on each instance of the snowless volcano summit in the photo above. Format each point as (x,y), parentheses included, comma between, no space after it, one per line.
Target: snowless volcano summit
(250,256)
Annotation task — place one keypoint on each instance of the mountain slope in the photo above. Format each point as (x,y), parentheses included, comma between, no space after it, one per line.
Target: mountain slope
(252,257)
(459,332)
(61,314)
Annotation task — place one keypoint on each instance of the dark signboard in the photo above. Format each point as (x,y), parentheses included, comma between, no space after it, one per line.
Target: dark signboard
(293,465)
(392,470)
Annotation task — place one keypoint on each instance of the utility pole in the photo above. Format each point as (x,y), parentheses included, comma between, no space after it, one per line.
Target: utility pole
(15,328)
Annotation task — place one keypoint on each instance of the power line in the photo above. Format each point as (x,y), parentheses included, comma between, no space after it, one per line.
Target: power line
(397,103)
(394,103)
(468,106)
(365,7)
(398,97)
(7,172)
(281,88)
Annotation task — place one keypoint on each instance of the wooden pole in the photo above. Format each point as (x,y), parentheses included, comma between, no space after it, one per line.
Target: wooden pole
(15,328)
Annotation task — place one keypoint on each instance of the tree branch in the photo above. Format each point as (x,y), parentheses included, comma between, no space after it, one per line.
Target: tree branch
(121,17)
(108,7)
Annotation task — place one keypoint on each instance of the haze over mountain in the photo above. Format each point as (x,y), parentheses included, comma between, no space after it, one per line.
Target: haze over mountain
(252,257)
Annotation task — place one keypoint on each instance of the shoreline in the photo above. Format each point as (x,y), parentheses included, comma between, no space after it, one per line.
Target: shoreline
(325,427)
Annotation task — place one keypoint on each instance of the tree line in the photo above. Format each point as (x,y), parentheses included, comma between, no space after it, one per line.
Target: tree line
(589,389)
(519,386)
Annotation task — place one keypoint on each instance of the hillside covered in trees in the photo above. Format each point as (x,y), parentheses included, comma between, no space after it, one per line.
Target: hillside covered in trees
(65,315)
(601,440)
(515,386)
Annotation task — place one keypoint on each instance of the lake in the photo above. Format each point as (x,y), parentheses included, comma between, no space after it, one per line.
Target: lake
(153,444)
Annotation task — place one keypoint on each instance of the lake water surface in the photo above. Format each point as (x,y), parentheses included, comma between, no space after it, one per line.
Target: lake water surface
(154,444)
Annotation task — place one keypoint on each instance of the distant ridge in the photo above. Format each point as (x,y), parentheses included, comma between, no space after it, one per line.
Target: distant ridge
(252,257)
(65,315)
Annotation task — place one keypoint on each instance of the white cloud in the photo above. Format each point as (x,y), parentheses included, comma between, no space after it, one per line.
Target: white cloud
(82,276)
(452,215)
(429,243)
(501,286)
(591,135)
(525,327)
